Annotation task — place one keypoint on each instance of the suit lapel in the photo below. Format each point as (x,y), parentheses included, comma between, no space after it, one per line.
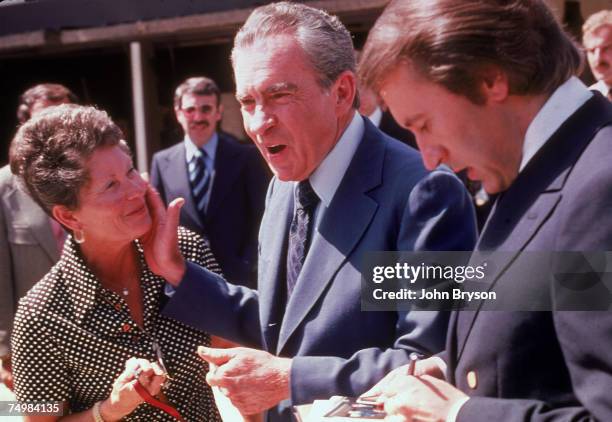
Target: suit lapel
(26,213)
(522,210)
(339,232)
(227,170)
(272,261)
(529,226)
(174,172)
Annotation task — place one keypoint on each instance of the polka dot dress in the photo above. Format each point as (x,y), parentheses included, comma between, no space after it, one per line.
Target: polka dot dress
(72,338)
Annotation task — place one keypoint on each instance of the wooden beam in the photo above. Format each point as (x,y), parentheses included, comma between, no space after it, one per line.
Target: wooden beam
(209,26)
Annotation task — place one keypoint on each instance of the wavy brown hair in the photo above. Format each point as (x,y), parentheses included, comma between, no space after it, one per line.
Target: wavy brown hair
(50,151)
(455,44)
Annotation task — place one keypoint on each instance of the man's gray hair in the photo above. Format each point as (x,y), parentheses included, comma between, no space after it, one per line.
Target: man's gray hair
(324,39)
(597,20)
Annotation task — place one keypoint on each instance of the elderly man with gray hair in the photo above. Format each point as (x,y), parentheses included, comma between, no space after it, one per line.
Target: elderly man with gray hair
(341,188)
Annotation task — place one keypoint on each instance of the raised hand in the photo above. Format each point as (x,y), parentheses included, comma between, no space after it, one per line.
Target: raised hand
(160,243)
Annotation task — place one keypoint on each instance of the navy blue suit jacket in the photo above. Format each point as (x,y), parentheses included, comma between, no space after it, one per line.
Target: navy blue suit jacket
(235,207)
(543,366)
(386,201)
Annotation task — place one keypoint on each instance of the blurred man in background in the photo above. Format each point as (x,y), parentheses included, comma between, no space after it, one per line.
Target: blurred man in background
(30,240)
(223,182)
(597,40)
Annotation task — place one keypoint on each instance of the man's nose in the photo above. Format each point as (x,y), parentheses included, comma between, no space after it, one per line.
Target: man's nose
(260,121)
(433,155)
(199,114)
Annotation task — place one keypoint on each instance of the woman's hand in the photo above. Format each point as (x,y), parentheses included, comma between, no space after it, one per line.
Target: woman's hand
(124,398)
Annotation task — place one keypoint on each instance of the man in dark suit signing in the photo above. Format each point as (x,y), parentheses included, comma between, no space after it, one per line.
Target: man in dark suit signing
(341,189)
(499,97)
(223,182)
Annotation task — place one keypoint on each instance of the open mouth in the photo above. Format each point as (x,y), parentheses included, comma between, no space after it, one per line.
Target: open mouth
(275,149)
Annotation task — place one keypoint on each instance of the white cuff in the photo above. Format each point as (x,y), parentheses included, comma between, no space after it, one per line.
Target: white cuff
(455,408)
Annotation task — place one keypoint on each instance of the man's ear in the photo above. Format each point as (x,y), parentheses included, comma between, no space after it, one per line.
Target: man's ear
(494,85)
(66,217)
(220,112)
(345,89)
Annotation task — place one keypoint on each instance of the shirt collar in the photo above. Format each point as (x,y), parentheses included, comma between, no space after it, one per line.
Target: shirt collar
(209,147)
(601,87)
(328,175)
(376,116)
(566,99)
(84,287)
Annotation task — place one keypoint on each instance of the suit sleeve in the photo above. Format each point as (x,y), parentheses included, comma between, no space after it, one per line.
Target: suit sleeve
(7,298)
(585,337)
(156,180)
(438,215)
(205,301)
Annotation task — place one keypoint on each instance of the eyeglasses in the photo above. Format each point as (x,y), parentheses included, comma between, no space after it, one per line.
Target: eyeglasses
(205,109)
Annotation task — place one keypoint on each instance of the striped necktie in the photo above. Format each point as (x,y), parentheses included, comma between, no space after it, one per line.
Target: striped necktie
(300,232)
(199,179)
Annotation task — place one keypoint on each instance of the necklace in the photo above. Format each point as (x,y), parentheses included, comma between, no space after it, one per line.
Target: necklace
(126,292)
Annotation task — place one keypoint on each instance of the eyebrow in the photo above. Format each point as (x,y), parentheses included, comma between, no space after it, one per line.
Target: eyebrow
(274,88)
(281,86)
(410,120)
(593,47)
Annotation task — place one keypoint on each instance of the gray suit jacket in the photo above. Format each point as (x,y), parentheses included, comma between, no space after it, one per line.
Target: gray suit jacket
(27,249)
(386,201)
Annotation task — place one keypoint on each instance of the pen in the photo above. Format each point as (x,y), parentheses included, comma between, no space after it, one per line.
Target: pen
(412,364)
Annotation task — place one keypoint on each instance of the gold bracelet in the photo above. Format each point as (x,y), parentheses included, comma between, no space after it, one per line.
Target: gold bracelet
(96,412)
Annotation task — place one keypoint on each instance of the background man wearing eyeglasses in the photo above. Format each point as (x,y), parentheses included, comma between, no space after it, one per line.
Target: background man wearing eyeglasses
(223,182)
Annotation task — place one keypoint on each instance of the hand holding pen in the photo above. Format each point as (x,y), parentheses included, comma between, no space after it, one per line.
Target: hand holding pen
(371,396)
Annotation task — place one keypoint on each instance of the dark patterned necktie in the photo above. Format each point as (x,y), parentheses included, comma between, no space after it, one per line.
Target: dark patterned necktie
(300,232)
(199,179)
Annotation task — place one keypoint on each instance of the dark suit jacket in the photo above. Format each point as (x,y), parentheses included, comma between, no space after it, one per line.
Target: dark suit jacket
(28,249)
(543,366)
(235,207)
(386,201)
